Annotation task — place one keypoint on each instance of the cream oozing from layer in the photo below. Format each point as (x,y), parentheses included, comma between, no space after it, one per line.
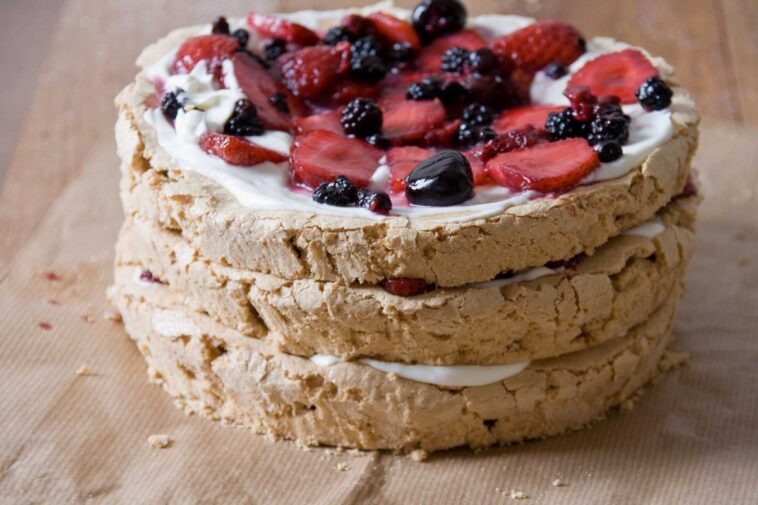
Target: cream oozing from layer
(267,187)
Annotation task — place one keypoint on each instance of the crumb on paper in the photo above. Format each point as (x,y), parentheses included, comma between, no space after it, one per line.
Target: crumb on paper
(83,370)
(112,315)
(45,326)
(158,441)
(419,455)
(559,483)
(342,467)
(53,301)
(87,318)
(518,495)
(51,276)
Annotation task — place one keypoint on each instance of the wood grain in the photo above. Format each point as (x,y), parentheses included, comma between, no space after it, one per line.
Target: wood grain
(712,43)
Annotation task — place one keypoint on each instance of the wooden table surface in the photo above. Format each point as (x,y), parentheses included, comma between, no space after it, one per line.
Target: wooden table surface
(89,57)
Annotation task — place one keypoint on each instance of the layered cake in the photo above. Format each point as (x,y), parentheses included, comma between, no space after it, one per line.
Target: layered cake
(403,230)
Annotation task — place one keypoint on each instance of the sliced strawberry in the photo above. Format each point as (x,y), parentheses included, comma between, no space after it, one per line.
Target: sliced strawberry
(429,57)
(442,136)
(392,30)
(406,286)
(237,151)
(212,48)
(311,72)
(277,28)
(349,90)
(481,177)
(401,161)
(619,74)
(534,115)
(329,121)
(554,166)
(409,120)
(259,86)
(320,156)
(533,47)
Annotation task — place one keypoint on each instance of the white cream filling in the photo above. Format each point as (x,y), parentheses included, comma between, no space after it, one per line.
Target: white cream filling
(265,186)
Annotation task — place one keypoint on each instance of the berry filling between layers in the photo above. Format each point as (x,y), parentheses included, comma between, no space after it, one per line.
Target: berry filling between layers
(383,113)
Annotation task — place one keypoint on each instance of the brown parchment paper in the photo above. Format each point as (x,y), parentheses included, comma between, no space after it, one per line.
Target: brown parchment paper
(66,438)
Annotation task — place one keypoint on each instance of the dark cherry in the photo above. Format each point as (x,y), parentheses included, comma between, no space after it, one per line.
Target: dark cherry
(608,151)
(442,179)
(432,18)
(654,94)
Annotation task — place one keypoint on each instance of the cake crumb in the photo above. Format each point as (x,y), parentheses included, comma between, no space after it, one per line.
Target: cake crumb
(518,495)
(559,483)
(51,276)
(112,315)
(46,326)
(158,441)
(419,455)
(83,370)
(87,318)
(342,467)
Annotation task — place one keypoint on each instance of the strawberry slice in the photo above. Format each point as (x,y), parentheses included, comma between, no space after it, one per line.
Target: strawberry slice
(408,121)
(277,28)
(349,90)
(329,121)
(212,48)
(401,161)
(429,57)
(237,151)
(519,117)
(392,30)
(554,166)
(320,156)
(259,86)
(533,47)
(481,177)
(619,74)
(310,72)
(444,135)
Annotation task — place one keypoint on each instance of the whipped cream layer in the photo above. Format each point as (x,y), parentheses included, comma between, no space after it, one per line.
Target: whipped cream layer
(267,186)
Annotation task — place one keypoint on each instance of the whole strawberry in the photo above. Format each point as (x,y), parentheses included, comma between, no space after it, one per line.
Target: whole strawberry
(535,46)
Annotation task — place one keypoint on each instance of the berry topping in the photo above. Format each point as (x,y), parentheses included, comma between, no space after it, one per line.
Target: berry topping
(426,89)
(406,286)
(519,117)
(259,86)
(377,202)
(274,48)
(453,61)
(478,115)
(366,62)
(329,121)
(563,125)
(336,34)
(276,27)
(510,141)
(554,166)
(340,192)
(539,44)
(310,72)
(237,151)
(609,125)
(408,121)
(211,48)
(608,151)
(654,94)
(244,120)
(242,35)
(320,156)
(172,102)
(555,70)
(361,117)
(432,18)
(582,102)
(483,61)
(220,26)
(620,74)
(392,30)
(402,160)
(279,100)
(443,179)
(429,58)
(401,52)
(494,91)
(379,141)
(471,134)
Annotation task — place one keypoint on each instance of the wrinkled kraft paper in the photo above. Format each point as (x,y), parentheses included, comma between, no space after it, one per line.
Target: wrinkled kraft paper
(69,438)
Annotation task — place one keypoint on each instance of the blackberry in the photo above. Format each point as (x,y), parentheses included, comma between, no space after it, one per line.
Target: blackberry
(654,94)
(172,102)
(453,92)
(220,26)
(379,141)
(483,61)
(608,151)
(467,134)
(376,201)
(244,120)
(486,134)
(274,48)
(337,34)
(361,117)
(563,125)
(340,192)
(279,100)
(555,70)
(432,18)
(454,60)
(426,89)
(609,127)
(367,46)
(478,115)
(242,36)
(401,52)
(368,68)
